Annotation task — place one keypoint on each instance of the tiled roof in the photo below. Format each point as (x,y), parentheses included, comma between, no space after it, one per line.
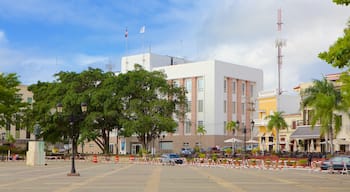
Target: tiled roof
(306,132)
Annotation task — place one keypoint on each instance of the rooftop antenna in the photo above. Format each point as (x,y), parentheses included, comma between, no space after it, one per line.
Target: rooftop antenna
(279,44)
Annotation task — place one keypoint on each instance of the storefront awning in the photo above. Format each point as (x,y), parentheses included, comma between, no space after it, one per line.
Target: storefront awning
(306,132)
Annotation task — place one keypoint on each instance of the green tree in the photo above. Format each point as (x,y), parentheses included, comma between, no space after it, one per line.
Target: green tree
(149,104)
(201,131)
(277,122)
(71,89)
(338,55)
(10,100)
(324,99)
(342,2)
(232,126)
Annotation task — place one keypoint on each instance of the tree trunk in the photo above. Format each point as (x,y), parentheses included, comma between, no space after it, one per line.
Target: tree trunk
(277,141)
(331,140)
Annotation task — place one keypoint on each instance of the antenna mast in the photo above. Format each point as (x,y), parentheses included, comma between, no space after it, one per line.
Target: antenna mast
(279,44)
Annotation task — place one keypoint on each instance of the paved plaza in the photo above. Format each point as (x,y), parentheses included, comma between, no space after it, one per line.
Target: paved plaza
(126,177)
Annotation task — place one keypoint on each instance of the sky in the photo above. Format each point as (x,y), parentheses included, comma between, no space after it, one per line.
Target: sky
(39,38)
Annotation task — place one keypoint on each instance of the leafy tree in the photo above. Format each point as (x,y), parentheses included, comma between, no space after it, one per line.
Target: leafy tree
(201,131)
(104,111)
(277,122)
(71,89)
(325,100)
(338,54)
(10,100)
(149,104)
(342,2)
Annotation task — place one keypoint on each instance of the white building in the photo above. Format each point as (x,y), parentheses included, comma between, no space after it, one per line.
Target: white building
(218,92)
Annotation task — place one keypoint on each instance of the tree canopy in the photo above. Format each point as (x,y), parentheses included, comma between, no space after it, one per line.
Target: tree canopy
(277,122)
(338,55)
(10,100)
(138,103)
(149,104)
(92,87)
(325,100)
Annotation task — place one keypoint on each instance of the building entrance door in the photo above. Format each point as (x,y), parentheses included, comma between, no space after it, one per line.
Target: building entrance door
(135,148)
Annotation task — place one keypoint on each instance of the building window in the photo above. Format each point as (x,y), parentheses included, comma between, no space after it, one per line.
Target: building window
(243,108)
(187,127)
(200,84)
(251,90)
(18,127)
(189,106)
(233,107)
(225,86)
(176,83)
(177,127)
(200,106)
(225,107)
(200,123)
(188,85)
(225,124)
(243,89)
(29,100)
(233,87)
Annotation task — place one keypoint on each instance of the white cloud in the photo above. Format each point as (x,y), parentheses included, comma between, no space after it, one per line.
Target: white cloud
(244,32)
(2,38)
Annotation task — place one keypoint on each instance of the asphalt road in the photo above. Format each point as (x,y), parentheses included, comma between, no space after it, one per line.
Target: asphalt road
(103,177)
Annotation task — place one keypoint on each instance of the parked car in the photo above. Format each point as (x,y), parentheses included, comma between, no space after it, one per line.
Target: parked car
(171,158)
(186,151)
(336,162)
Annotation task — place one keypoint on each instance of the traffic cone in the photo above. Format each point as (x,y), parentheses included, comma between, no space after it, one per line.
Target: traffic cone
(116,159)
(95,159)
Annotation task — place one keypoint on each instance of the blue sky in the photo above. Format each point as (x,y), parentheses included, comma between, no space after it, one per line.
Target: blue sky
(41,37)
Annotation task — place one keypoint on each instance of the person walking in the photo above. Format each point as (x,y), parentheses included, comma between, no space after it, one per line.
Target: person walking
(309,159)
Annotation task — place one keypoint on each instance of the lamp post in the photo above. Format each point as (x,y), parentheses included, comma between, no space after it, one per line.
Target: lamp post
(2,143)
(161,142)
(244,143)
(72,119)
(251,130)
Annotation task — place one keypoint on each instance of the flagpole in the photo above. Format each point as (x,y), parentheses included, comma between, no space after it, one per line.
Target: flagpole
(126,41)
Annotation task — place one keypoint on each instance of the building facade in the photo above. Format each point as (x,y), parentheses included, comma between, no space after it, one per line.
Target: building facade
(217,93)
(268,103)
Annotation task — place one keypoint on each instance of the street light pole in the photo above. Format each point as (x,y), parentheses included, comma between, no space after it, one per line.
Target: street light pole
(252,128)
(244,144)
(73,136)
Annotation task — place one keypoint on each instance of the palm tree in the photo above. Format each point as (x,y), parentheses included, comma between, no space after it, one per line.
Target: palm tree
(325,100)
(276,121)
(201,131)
(232,126)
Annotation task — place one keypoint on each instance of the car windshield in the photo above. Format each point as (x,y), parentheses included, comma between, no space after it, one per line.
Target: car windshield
(174,156)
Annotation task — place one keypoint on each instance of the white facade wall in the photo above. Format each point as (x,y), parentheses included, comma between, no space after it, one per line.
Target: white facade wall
(214,74)
(148,61)
(289,104)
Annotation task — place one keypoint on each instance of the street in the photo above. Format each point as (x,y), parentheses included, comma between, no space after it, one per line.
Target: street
(16,176)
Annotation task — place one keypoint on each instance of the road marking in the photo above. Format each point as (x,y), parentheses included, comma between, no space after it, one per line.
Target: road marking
(286,181)
(153,183)
(222,182)
(73,186)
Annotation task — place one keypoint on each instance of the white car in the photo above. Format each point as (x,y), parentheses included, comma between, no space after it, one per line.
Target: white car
(171,158)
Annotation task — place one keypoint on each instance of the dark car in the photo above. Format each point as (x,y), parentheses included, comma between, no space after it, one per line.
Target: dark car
(336,163)
(171,159)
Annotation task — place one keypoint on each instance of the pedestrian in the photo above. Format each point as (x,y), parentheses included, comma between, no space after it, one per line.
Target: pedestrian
(309,159)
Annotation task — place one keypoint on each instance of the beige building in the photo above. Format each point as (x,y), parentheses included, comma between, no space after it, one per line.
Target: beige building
(19,131)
